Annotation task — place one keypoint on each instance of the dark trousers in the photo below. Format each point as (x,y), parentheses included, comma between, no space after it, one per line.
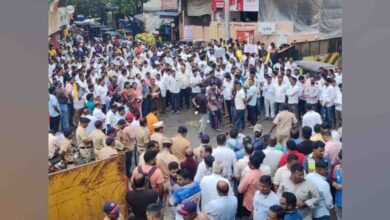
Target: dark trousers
(163,103)
(339,118)
(301,108)
(175,102)
(64,116)
(185,96)
(245,212)
(55,123)
(278,107)
(168,98)
(128,156)
(294,109)
(252,114)
(326,217)
(215,119)
(239,122)
(71,115)
(330,118)
(259,106)
(229,105)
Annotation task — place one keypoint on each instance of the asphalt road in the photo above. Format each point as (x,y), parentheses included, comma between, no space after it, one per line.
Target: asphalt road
(191,121)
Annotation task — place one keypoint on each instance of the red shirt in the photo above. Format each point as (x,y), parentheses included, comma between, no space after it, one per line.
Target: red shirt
(283,160)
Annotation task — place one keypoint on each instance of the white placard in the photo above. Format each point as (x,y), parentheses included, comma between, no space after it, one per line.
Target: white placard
(281,39)
(188,33)
(220,52)
(266,28)
(70,9)
(250,48)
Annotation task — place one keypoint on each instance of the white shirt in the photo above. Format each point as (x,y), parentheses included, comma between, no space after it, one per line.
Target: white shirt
(312,94)
(339,100)
(163,89)
(201,172)
(328,95)
(228,159)
(293,93)
(208,186)
(102,92)
(111,119)
(227,89)
(98,113)
(195,80)
(174,85)
(326,200)
(222,208)
(269,91)
(262,203)
(281,175)
(239,100)
(91,124)
(272,158)
(339,78)
(280,93)
(310,119)
(121,81)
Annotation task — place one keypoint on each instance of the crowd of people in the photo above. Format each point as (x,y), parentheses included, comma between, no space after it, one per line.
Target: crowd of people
(108,98)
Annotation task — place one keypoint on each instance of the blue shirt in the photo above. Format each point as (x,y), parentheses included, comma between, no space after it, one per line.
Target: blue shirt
(235,145)
(252,92)
(53,102)
(326,200)
(338,176)
(258,144)
(295,215)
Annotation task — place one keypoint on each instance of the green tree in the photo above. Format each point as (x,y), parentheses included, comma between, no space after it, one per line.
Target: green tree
(90,8)
(127,7)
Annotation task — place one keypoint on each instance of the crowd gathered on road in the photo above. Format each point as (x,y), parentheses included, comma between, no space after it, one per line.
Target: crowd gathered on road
(108,98)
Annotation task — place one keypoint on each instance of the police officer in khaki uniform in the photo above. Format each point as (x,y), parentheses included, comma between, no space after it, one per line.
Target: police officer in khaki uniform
(119,135)
(84,143)
(108,150)
(165,157)
(98,138)
(112,132)
(128,138)
(180,143)
(66,152)
(141,136)
(158,133)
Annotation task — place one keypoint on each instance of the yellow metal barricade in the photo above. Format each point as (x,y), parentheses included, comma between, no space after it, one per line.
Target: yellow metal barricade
(79,193)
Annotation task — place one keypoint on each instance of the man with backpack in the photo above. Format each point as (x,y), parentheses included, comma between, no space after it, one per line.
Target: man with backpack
(139,198)
(154,178)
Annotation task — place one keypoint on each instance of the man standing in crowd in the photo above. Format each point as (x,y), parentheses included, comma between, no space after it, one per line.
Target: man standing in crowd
(305,191)
(332,147)
(180,143)
(226,156)
(264,199)
(240,106)
(225,206)
(319,179)
(283,122)
(208,185)
(249,184)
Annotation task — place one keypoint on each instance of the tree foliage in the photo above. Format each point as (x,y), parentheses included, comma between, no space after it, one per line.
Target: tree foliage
(93,8)
(128,7)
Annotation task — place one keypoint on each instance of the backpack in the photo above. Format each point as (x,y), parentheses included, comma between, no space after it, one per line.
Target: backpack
(147,184)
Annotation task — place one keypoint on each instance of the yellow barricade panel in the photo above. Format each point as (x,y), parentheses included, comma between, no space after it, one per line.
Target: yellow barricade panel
(80,192)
